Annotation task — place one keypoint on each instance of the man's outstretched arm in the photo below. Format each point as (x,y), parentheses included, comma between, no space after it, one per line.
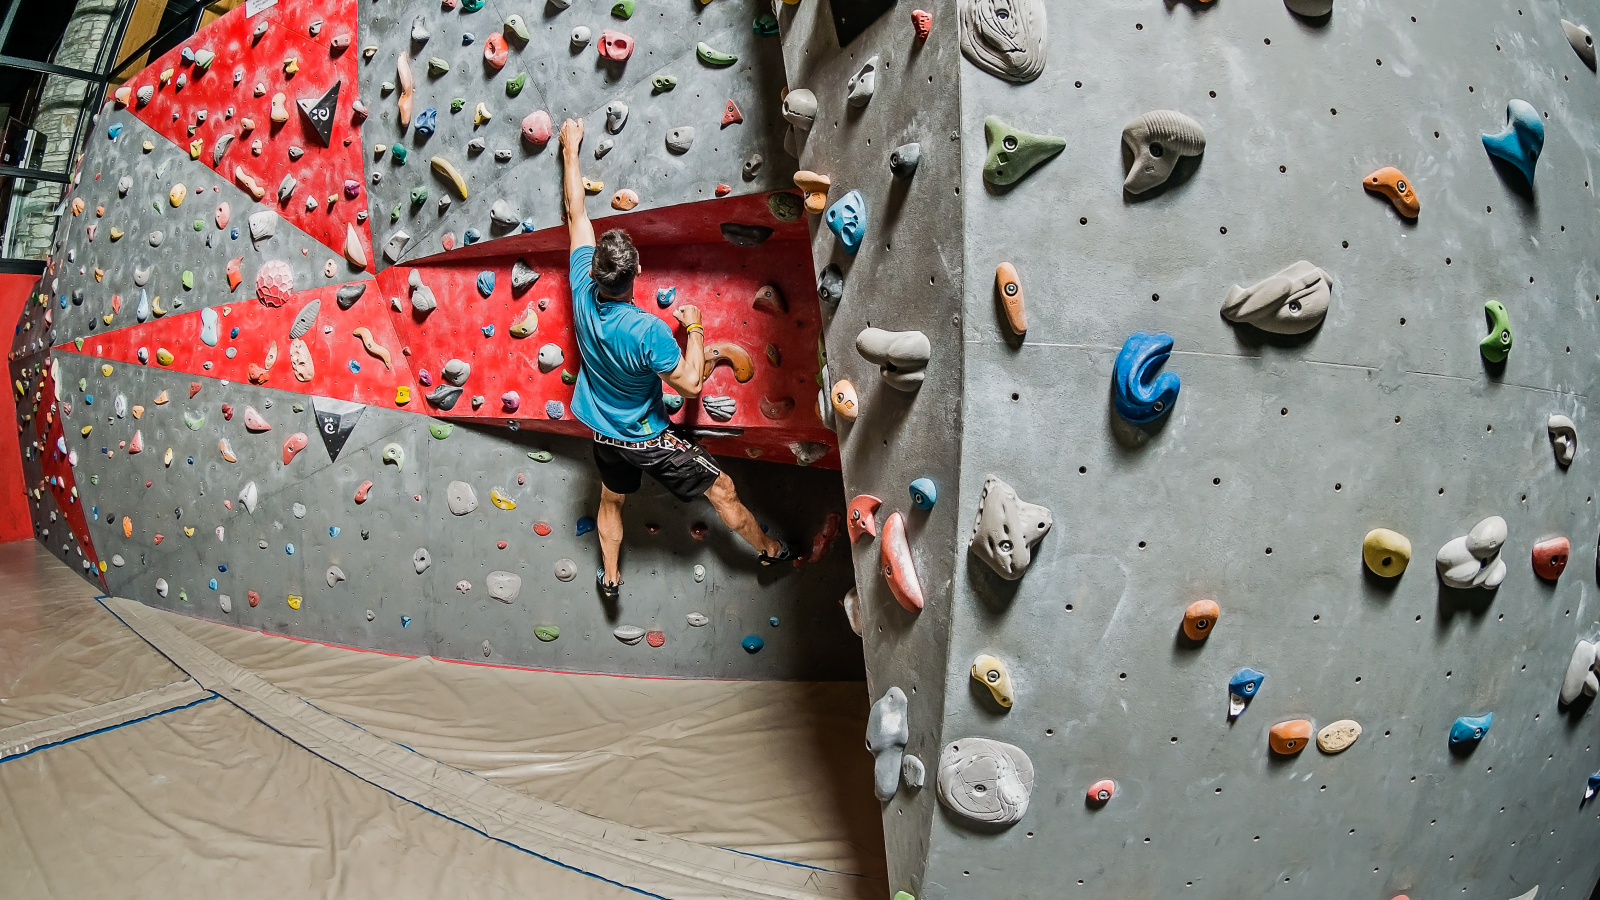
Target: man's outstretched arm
(579,227)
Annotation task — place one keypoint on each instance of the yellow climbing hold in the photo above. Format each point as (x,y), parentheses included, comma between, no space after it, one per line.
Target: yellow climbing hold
(166,460)
(992,674)
(147,146)
(86,430)
(188,531)
(402,395)
(106,370)
(164,357)
(156,309)
(195,146)
(291,66)
(501,500)
(117,233)
(175,196)
(295,600)
(106,318)
(593,186)
(444,167)
(1386,552)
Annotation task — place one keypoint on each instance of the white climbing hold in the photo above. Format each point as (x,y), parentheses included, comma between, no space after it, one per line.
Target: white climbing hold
(887,733)
(117,560)
(550,358)
(1580,673)
(461,498)
(851,601)
(1157,140)
(1473,560)
(1293,301)
(912,772)
(629,634)
(565,569)
(226,602)
(699,574)
(800,108)
(1581,40)
(248,496)
(299,510)
(985,780)
(697,620)
(1564,438)
(421,560)
(503,586)
(335,575)
(161,587)
(901,356)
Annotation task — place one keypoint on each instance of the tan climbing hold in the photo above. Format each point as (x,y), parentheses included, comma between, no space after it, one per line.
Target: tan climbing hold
(1289,738)
(528,324)
(1393,184)
(843,398)
(353,250)
(992,674)
(176,195)
(372,346)
(624,200)
(1009,288)
(592,186)
(816,190)
(280,112)
(730,354)
(249,182)
(451,173)
(1200,618)
(1336,737)
(1386,552)
(403,76)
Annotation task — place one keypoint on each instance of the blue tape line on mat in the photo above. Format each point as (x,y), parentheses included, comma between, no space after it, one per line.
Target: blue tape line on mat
(791,863)
(79,737)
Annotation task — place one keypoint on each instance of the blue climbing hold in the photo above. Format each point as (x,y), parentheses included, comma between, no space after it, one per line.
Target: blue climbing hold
(404,621)
(585,525)
(752,644)
(470,236)
(924,493)
(1139,394)
(1470,729)
(289,549)
(88,399)
(333,531)
(115,131)
(466,38)
(847,219)
(1245,683)
(1594,785)
(773,621)
(354,366)
(1520,142)
(672,402)
(191,460)
(222,568)
(527,225)
(426,121)
(234,234)
(488,330)
(234,333)
(212,584)
(665,296)
(553,409)
(486,282)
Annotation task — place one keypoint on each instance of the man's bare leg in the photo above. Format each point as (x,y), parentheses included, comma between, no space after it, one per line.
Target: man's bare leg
(609,523)
(725,500)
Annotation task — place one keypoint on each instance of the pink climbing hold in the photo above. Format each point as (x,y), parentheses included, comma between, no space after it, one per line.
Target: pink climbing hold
(293,446)
(536,128)
(449,240)
(894,554)
(254,422)
(352,188)
(495,50)
(274,282)
(137,444)
(615,45)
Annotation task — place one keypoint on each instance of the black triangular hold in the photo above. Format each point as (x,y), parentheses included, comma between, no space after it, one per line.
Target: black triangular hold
(320,113)
(335,420)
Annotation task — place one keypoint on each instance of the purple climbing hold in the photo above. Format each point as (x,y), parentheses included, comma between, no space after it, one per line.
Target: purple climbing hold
(510,401)
(553,409)
(424,379)
(585,525)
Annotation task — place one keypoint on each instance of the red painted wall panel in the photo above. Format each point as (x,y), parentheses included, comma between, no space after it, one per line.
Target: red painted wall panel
(14,522)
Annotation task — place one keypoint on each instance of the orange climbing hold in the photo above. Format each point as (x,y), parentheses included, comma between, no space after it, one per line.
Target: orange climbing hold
(894,555)
(361,492)
(127,527)
(235,276)
(1009,287)
(1393,183)
(816,190)
(730,354)
(541,529)
(624,199)
(1200,618)
(863,518)
(731,114)
(1289,738)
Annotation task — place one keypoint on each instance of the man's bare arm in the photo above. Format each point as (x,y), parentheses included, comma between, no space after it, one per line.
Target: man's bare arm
(685,377)
(579,227)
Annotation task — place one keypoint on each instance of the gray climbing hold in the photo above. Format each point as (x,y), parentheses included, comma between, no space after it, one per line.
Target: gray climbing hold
(248,496)
(887,733)
(984,780)
(753,165)
(860,87)
(502,215)
(912,772)
(1006,529)
(117,560)
(422,299)
(550,358)
(210,327)
(830,285)
(156,237)
(699,574)
(522,276)
(1006,38)
(395,246)
(421,560)
(305,319)
(456,371)
(800,108)
(461,498)
(371,615)
(1563,437)
(1580,677)
(141,274)
(299,510)
(1581,40)
(604,147)
(565,569)
(1473,560)
(1157,140)
(335,575)
(348,294)
(904,158)
(286,188)
(263,225)
(161,587)
(617,116)
(1311,9)
(394,455)
(697,620)
(124,184)
(419,31)
(226,602)
(503,586)
(1293,301)
(720,408)
(680,139)
(901,356)
(629,634)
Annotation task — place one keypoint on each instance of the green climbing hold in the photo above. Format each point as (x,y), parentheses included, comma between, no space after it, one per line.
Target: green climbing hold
(94,479)
(765,25)
(622,9)
(83,385)
(79,343)
(1497,345)
(514,86)
(438,65)
(440,430)
(902,895)
(299,407)
(547,633)
(394,214)
(199,225)
(714,57)
(188,280)
(568,377)
(784,206)
(457,103)
(194,421)
(540,455)
(398,151)
(663,83)
(1013,154)
(419,195)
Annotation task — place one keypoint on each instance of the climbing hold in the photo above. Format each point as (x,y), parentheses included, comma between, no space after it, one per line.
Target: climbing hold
(985,780)
(1563,437)
(1582,42)
(922,24)
(731,114)
(194,421)
(784,206)
(863,518)
(1521,141)
(501,501)
(616,116)
(1006,528)
(1157,140)
(293,445)
(697,620)
(745,235)
(900,356)
(335,575)
(248,496)
(448,170)
(721,409)
(680,139)
(536,128)
(1009,287)
(1386,553)
(1199,618)
(699,577)
(615,46)
(1473,560)
(1006,38)
(992,673)
(319,113)
(1580,677)
(254,422)
(624,199)
(628,634)
(510,401)
(727,353)
(1550,557)
(1293,301)
(362,491)
(847,219)
(800,108)
(924,493)
(553,409)
(1141,396)
(815,187)
(550,358)
(546,633)
(495,50)
(843,399)
(860,87)
(1468,730)
(1242,688)
(903,160)
(1014,153)
(1289,738)
(894,554)
(460,498)
(1100,792)
(1336,737)
(714,57)
(305,319)
(1496,345)
(565,569)
(752,643)
(421,560)
(295,600)
(394,455)
(1392,183)
(503,586)
(887,734)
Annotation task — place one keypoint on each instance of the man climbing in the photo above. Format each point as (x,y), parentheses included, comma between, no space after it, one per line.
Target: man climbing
(627,353)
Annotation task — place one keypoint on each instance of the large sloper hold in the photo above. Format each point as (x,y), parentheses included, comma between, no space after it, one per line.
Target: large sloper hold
(1293,301)
(1157,140)
(1581,40)
(1006,38)
(1014,153)
(1522,139)
(1006,529)
(1580,678)
(1141,396)
(899,569)
(887,734)
(1473,560)
(985,781)
(901,356)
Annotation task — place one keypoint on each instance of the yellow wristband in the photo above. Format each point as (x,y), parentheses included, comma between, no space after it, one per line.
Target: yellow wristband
(695,327)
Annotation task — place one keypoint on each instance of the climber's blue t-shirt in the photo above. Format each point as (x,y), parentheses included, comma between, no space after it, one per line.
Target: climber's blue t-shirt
(625,352)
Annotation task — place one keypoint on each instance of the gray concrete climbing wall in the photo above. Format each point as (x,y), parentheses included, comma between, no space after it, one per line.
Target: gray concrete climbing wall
(1256,487)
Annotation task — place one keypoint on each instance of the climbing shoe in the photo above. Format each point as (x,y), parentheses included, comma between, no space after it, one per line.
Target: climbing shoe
(784,553)
(608,590)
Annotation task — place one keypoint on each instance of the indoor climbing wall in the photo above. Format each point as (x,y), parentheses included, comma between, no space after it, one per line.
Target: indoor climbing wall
(1270,322)
(236,406)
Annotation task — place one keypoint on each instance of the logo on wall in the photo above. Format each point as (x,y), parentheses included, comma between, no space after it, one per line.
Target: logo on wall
(320,113)
(335,420)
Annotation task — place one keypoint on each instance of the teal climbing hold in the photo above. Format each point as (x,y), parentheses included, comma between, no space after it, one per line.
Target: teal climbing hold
(1014,153)
(765,25)
(924,493)
(752,643)
(1522,139)
(1469,730)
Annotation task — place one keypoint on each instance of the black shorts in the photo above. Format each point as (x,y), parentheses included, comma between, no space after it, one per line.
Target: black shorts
(677,463)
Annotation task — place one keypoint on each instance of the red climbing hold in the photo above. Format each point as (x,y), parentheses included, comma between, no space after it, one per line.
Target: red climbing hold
(227,412)
(698,531)
(1099,792)
(194,388)
(541,529)
(255,598)
(655,638)
(501,545)
(731,114)
(922,21)
(1550,557)
(614,45)
(361,492)
(863,517)
(899,570)
(293,445)
(821,541)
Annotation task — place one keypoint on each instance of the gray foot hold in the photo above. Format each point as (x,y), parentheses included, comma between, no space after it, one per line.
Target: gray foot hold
(887,733)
